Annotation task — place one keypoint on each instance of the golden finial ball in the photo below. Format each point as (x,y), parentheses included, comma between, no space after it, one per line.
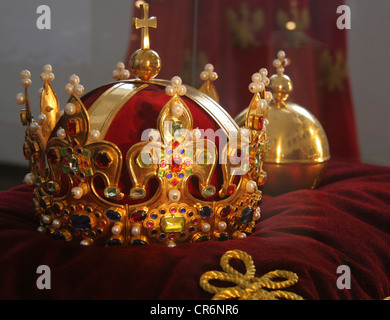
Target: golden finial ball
(145,64)
(281,87)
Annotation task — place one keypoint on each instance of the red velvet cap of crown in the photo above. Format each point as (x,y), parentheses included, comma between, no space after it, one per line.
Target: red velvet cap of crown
(140,113)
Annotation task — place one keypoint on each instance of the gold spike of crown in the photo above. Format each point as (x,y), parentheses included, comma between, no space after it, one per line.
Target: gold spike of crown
(94,186)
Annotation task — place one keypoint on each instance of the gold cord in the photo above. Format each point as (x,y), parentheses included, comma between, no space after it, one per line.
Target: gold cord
(248,287)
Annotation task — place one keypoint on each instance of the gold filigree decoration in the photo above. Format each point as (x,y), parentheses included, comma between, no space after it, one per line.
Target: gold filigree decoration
(248,287)
(334,70)
(245,25)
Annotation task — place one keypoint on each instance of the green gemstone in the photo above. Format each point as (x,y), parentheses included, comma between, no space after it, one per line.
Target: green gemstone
(144,160)
(88,172)
(38,182)
(173,224)
(86,153)
(258,159)
(176,129)
(208,191)
(137,193)
(65,169)
(189,172)
(73,163)
(161,173)
(63,152)
(52,187)
(111,192)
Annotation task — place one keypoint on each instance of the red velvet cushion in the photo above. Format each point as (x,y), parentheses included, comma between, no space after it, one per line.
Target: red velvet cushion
(345,222)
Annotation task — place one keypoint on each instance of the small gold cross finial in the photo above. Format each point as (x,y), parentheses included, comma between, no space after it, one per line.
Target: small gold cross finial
(145,23)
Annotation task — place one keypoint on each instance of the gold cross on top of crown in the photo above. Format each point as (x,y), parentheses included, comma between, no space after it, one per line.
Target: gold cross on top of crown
(145,23)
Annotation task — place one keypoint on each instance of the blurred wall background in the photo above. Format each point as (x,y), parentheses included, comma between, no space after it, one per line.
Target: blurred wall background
(89,37)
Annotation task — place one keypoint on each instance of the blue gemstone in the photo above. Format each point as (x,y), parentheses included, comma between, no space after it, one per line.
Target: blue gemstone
(181,175)
(114,242)
(202,238)
(58,236)
(246,215)
(182,151)
(169,176)
(206,212)
(154,216)
(139,242)
(192,229)
(162,236)
(80,222)
(81,175)
(42,203)
(223,237)
(182,210)
(113,215)
(170,151)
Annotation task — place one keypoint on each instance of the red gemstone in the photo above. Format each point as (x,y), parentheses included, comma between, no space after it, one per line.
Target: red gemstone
(71,127)
(86,164)
(175,144)
(231,189)
(103,160)
(138,216)
(226,211)
(260,123)
(174,182)
(26,151)
(176,165)
(33,149)
(77,181)
(52,156)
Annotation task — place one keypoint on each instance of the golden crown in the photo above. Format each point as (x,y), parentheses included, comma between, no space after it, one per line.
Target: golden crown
(79,176)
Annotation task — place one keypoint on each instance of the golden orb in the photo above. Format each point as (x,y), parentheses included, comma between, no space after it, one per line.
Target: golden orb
(299,148)
(145,64)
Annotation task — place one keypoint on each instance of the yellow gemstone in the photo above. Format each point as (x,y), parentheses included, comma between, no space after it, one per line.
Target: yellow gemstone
(173,224)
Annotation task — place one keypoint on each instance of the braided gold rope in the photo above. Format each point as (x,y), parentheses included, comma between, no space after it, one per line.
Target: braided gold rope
(248,287)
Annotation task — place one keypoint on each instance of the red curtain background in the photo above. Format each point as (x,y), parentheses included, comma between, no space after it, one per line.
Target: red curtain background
(240,37)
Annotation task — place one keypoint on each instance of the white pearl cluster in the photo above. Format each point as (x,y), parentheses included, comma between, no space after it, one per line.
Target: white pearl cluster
(29,179)
(251,186)
(176,87)
(77,192)
(281,62)
(34,126)
(61,133)
(74,86)
(25,82)
(257,214)
(208,73)
(177,110)
(117,228)
(120,73)
(25,76)
(174,195)
(260,81)
(47,75)
(94,134)
(70,109)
